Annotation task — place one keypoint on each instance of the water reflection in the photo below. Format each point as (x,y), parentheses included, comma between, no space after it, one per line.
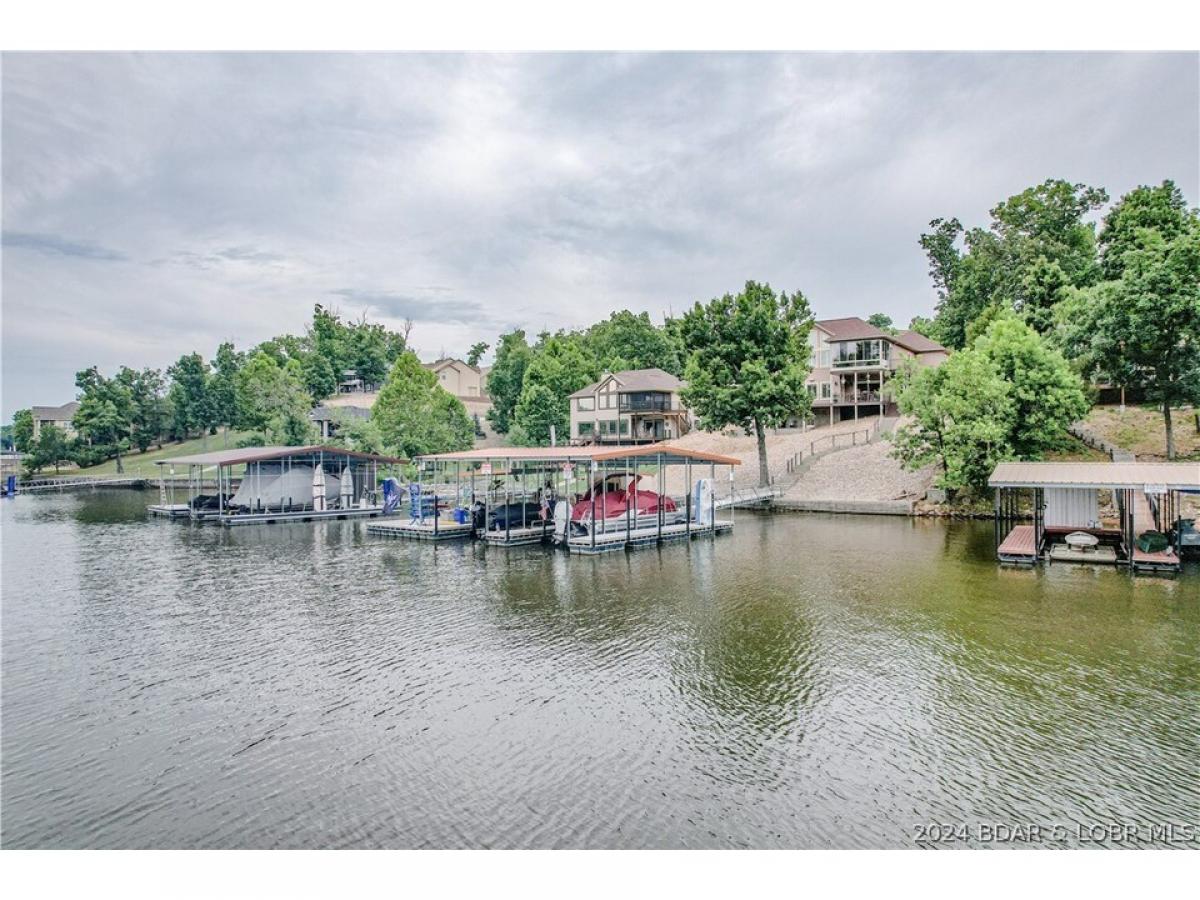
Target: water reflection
(807,681)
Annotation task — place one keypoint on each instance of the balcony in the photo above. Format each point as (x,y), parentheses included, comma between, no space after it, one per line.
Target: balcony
(852,361)
(632,403)
(845,398)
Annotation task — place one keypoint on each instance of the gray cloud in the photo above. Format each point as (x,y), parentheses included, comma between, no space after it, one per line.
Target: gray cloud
(471,193)
(56,245)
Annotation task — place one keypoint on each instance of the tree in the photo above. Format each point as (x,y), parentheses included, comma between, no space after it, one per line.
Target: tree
(960,417)
(882,321)
(1145,325)
(1047,396)
(1160,209)
(559,365)
(22,430)
(627,340)
(416,416)
(506,377)
(1038,244)
(749,359)
(271,399)
(222,386)
(190,400)
(49,449)
(921,325)
(105,413)
(318,375)
(476,353)
(148,405)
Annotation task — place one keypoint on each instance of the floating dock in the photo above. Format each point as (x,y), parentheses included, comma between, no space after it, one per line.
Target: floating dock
(1063,499)
(589,500)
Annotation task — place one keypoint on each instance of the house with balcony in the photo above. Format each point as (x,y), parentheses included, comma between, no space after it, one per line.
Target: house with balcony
(636,406)
(851,362)
(61,417)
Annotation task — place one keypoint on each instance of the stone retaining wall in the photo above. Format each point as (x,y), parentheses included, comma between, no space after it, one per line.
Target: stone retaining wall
(862,507)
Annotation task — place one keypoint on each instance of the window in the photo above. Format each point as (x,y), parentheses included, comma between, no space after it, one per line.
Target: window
(825,390)
(811,388)
(585,429)
(624,426)
(585,404)
(822,358)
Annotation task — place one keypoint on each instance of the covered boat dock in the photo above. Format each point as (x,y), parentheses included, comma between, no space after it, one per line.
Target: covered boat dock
(1116,513)
(266,485)
(590,499)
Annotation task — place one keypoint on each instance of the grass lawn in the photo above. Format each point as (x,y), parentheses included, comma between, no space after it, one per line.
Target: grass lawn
(1140,429)
(142,464)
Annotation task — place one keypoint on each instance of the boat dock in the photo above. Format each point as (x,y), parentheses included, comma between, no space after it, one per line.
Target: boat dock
(272,485)
(587,500)
(1051,512)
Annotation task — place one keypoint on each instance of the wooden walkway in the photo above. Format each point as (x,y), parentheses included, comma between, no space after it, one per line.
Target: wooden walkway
(1018,545)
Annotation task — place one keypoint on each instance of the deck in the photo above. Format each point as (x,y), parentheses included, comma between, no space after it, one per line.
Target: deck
(1162,561)
(420,531)
(1018,546)
(620,539)
(303,515)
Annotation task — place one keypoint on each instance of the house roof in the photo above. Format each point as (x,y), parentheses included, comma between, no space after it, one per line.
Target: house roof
(1174,475)
(323,412)
(917,343)
(64,413)
(647,452)
(240,455)
(851,328)
(438,364)
(636,380)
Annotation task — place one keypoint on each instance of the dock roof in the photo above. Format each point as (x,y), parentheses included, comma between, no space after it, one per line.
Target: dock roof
(1173,475)
(649,452)
(239,455)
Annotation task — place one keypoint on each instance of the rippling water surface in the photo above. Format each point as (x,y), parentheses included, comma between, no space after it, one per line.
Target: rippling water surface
(809,681)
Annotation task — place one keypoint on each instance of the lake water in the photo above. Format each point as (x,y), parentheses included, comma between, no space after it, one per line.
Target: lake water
(808,681)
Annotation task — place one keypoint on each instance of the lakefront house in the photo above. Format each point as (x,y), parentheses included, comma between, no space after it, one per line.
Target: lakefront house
(61,417)
(851,362)
(635,406)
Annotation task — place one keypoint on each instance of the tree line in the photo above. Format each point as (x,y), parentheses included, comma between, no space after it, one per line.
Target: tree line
(1040,303)
(267,392)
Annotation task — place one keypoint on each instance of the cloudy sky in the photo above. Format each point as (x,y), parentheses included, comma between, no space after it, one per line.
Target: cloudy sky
(157,204)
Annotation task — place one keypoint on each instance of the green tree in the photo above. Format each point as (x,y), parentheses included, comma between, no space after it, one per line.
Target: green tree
(416,416)
(627,340)
(1038,244)
(369,349)
(148,405)
(1145,325)
(272,400)
(1047,395)
(882,321)
(960,416)
(191,403)
(1161,209)
(749,359)
(560,365)
(222,385)
(506,378)
(921,325)
(49,449)
(105,413)
(318,375)
(476,353)
(22,430)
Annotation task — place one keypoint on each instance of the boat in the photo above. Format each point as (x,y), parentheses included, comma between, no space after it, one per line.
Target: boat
(610,500)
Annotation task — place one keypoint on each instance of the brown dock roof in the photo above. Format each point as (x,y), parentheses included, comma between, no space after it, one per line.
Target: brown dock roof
(239,455)
(1173,475)
(670,453)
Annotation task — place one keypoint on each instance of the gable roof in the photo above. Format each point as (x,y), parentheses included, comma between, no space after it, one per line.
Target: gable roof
(438,364)
(64,413)
(635,380)
(917,343)
(851,328)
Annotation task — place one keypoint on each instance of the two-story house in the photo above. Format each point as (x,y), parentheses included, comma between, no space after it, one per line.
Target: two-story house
(636,406)
(61,417)
(852,360)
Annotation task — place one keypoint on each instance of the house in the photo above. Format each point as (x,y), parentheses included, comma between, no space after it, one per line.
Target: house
(630,407)
(59,416)
(329,418)
(461,379)
(852,360)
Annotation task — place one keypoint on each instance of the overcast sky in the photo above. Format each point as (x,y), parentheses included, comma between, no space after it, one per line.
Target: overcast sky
(159,204)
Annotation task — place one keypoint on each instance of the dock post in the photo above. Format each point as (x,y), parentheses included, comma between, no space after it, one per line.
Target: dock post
(687,469)
(712,498)
(659,484)
(627,488)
